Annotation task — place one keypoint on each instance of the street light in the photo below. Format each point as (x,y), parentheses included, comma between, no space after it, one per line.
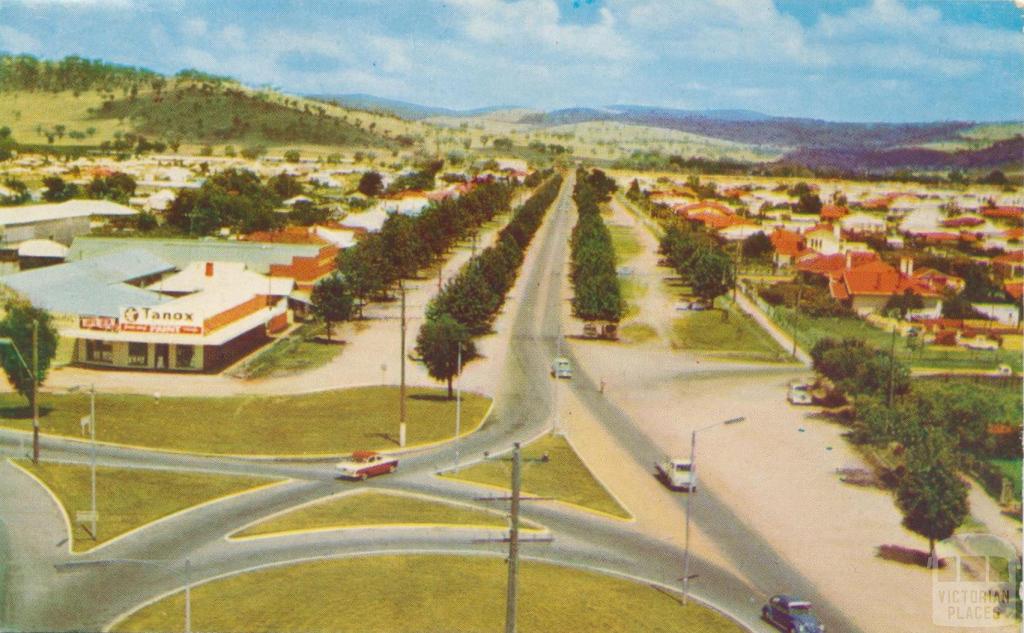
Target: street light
(689,499)
(93,517)
(7,342)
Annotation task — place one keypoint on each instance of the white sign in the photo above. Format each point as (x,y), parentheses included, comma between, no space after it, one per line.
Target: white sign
(85,422)
(161,320)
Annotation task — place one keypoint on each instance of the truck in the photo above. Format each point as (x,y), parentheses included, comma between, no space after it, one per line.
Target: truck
(561,368)
(678,474)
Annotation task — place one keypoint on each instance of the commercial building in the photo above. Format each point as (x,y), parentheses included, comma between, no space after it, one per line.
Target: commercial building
(132,309)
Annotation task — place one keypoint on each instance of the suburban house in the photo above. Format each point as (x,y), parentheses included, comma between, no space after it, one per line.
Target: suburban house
(861,223)
(868,287)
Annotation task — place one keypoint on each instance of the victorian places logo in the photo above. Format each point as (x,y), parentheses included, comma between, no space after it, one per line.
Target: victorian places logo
(978,585)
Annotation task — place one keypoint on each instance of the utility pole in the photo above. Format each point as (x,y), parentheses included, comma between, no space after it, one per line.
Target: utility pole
(188,596)
(458,405)
(796,310)
(513,544)
(92,436)
(35,392)
(401,389)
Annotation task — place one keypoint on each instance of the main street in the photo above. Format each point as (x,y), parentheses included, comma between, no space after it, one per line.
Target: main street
(46,594)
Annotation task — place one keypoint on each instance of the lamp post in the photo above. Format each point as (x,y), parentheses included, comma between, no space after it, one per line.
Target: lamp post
(33,373)
(689,500)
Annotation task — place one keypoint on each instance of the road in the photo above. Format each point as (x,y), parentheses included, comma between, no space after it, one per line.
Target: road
(47,594)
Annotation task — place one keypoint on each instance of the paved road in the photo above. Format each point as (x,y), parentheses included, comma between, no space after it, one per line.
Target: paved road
(53,596)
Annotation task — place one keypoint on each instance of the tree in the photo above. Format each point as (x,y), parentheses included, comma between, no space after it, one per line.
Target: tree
(332,300)
(757,246)
(292,156)
(711,274)
(57,190)
(371,184)
(17,326)
(285,186)
(857,368)
(366,269)
(930,494)
(438,345)
(808,203)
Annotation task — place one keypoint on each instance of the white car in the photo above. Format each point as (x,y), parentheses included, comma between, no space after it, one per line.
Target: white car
(561,368)
(982,343)
(678,474)
(800,392)
(364,464)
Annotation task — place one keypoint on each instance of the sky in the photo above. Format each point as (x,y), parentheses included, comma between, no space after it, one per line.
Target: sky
(843,60)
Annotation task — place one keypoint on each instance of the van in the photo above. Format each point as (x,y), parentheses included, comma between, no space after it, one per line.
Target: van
(561,368)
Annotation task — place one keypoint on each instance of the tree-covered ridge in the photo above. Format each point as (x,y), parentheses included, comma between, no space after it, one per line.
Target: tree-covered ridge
(25,72)
(214,113)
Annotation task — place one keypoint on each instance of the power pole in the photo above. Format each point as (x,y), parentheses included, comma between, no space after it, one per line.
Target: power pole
(513,544)
(458,405)
(796,310)
(92,434)
(35,392)
(401,390)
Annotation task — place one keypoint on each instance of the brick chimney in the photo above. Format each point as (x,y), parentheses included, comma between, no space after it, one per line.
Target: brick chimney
(849,260)
(209,269)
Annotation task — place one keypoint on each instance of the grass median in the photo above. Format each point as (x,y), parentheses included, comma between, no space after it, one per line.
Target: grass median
(328,422)
(127,498)
(425,593)
(625,242)
(365,508)
(562,476)
(304,349)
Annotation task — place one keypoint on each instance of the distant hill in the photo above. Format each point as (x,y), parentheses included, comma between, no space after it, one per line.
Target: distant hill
(217,114)
(999,154)
(401,109)
(755,128)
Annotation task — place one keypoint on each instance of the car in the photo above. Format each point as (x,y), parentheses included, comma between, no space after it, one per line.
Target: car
(678,474)
(365,464)
(561,368)
(625,271)
(791,614)
(800,392)
(981,343)
(1004,370)
(683,306)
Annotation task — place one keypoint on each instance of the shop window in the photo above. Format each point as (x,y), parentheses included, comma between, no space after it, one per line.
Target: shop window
(184,355)
(99,351)
(138,354)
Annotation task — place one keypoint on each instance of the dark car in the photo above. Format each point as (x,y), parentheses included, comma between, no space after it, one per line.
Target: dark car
(792,615)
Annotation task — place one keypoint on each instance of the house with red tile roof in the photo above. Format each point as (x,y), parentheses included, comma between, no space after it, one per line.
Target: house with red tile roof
(1015,214)
(868,287)
(789,245)
(1010,265)
(833,212)
(704,207)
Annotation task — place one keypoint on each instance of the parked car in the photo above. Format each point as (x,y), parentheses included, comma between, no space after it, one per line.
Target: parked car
(1004,370)
(590,330)
(982,343)
(800,392)
(683,306)
(678,474)
(364,464)
(561,368)
(792,615)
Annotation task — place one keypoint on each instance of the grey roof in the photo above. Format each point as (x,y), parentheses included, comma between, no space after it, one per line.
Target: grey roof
(257,256)
(93,287)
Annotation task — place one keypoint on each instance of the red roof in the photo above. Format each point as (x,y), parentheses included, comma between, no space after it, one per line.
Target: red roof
(834,265)
(1013,257)
(878,278)
(1014,288)
(787,242)
(833,212)
(715,221)
(689,210)
(1010,213)
(964,220)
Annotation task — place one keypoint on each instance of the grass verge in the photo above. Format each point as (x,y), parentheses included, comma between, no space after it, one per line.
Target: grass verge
(304,349)
(637,332)
(563,476)
(738,335)
(337,421)
(809,330)
(127,497)
(625,243)
(425,593)
(373,508)
(633,290)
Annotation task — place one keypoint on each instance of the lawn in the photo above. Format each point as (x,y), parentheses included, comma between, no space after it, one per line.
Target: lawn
(563,477)
(1011,469)
(637,332)
(328,422)
(304,349)
(809,330)
(424,593)
(737,336)
(127,497)
(633,290)
(373,508)
(625,243)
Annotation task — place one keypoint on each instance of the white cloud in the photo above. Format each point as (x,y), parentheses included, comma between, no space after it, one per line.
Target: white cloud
(17,41)
(194,27)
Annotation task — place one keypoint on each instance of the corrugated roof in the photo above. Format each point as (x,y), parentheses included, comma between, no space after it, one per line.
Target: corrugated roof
(27,214)
(93,287)
(257,256)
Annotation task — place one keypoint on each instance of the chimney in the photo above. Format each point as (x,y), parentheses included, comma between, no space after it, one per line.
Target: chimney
(907,266)
(849,260)
(209,269)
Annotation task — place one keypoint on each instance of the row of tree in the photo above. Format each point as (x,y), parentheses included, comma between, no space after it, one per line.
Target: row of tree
(469,302)
(699,259)
(931,425)
(596,292)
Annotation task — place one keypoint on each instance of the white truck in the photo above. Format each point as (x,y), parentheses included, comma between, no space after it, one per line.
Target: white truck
(678,474)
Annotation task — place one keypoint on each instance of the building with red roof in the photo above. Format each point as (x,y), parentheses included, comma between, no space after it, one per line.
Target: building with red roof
(833,212)
(789,245)
(868,287)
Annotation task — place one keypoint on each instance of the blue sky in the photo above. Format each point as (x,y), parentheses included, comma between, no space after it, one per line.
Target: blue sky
(857,60)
